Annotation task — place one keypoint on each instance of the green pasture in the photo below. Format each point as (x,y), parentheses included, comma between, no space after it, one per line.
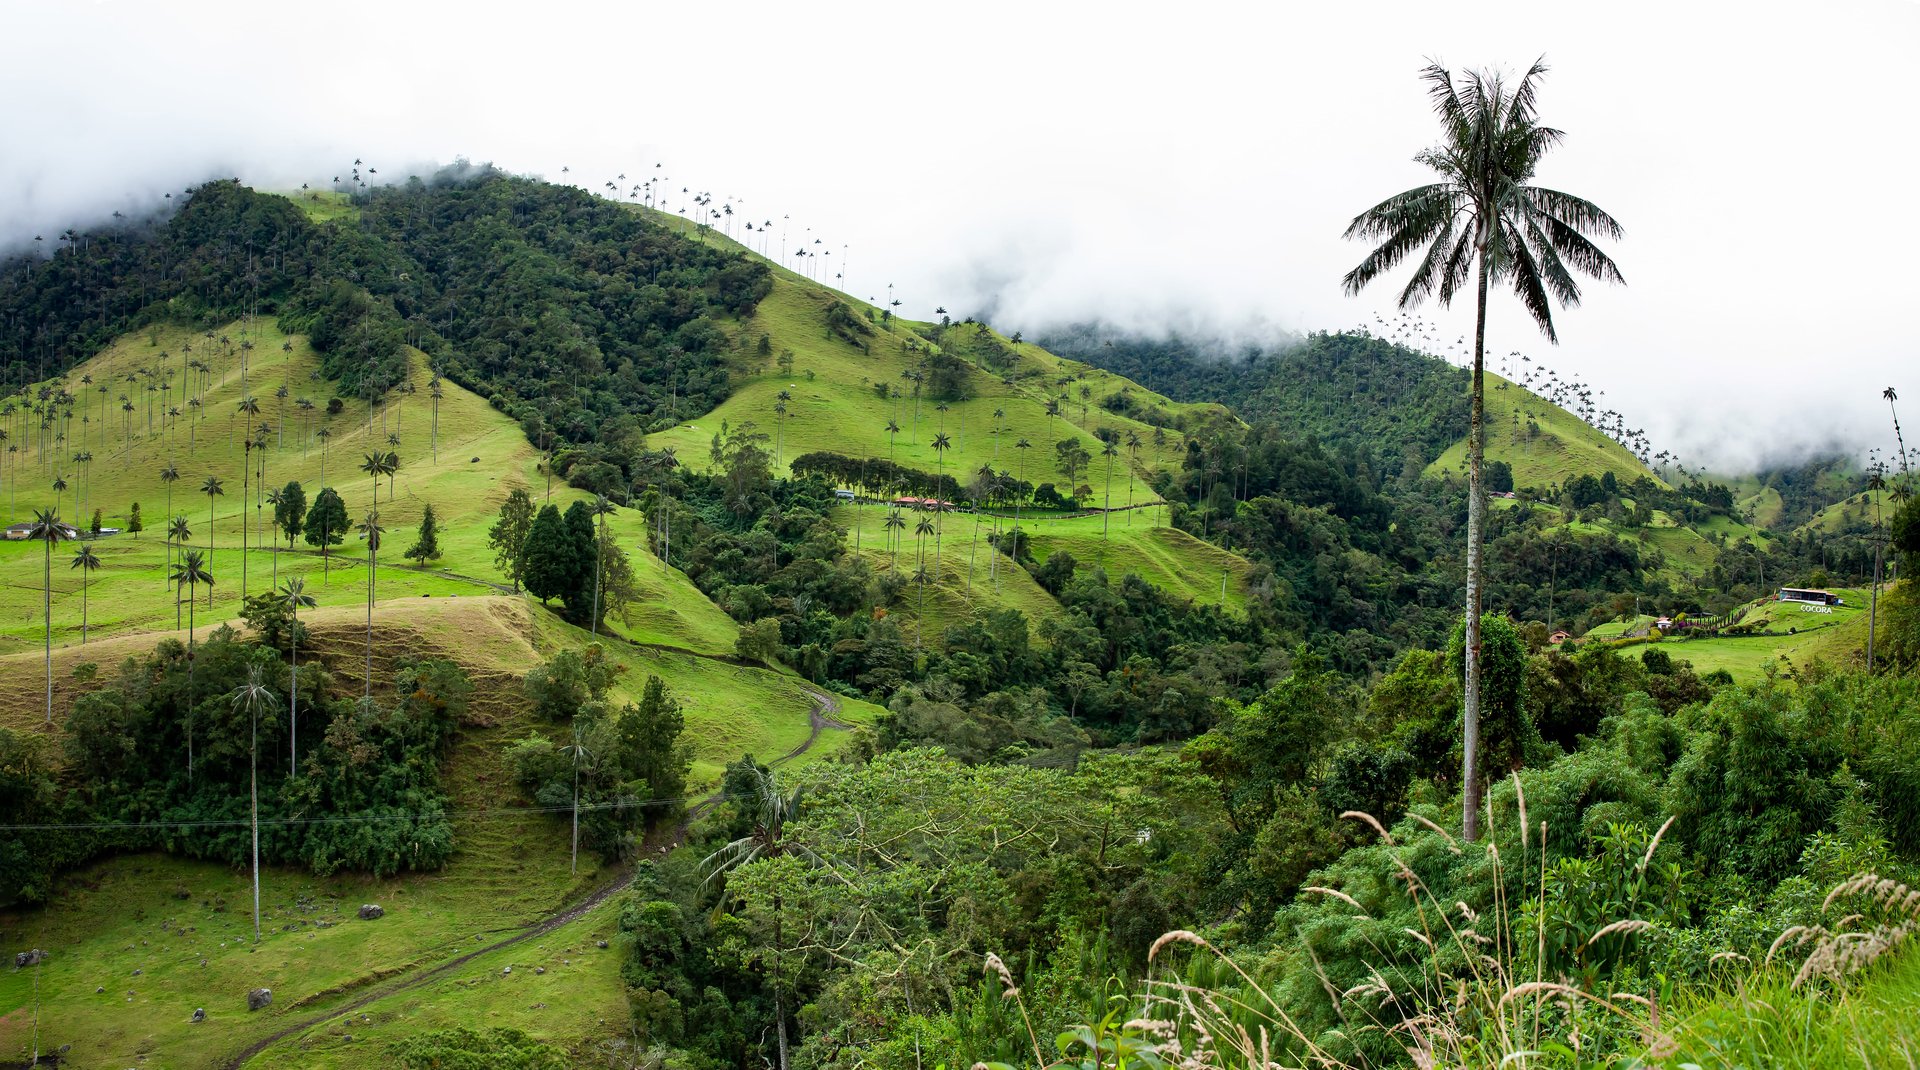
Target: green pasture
(1564,446)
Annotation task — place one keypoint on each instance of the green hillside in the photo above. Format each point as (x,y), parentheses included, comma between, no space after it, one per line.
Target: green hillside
(1545,444)
(127,914)
(1853,515)
(481,457)
(833,403)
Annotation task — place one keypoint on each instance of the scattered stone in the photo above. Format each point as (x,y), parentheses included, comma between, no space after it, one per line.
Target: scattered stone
(539,969)
(29,958)
(370,911)
(507,969)
(601,944)
(199,1014)
(99,990)
(203,964)
(259,998)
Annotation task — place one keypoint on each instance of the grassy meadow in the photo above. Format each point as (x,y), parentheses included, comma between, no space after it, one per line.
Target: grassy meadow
(1564,446)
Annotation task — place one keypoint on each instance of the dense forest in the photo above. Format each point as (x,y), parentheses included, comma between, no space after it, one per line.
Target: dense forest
(573,314)
(1348,392)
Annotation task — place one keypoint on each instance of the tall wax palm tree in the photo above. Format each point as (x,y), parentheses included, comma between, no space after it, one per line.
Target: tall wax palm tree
(371,531)
(86,561)
(921,530)
(247,407)
(305,405)
(254,696)
(1110,450)
(391,464)
(375,466)
(325,433)
(275,498)
(1482,223)
(893,524)
(435,392)
(578,751)
(211,487)
(983,497)
(295,595)
(178,534)
(190,572)
(1133,463)
(47,530)
(941,444)
(168,476)
(59,488)
(246,473)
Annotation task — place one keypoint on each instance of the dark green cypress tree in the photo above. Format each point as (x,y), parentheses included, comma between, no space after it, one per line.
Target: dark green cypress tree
(580,541)
(291,513)
(326,523)
(549,570)
(427,546)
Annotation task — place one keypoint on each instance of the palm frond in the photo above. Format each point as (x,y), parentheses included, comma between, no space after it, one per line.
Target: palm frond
(1527,285)
(1431,272)
(1576,212)
(1459,268)
(1407,222)
(1564,287)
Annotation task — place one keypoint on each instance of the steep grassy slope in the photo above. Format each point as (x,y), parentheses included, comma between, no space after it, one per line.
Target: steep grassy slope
(1854,514)
(481,457)
(965,573)
(834,403)
(1545,444)
(127,914)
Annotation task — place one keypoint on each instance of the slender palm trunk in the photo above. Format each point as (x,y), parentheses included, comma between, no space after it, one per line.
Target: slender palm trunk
(254,788)
(293,702)
(373,562)
(1873,604)
(1476,524)
(46,615)
(190,604)
(209,548)
(576,810)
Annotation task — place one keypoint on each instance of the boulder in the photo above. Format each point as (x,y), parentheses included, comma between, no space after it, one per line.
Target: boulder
(199,1014)
(259,998)
(506,970)
(370,911)
(29,958)
(601,944)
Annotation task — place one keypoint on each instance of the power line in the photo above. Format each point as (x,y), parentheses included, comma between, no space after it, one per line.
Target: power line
(350,819)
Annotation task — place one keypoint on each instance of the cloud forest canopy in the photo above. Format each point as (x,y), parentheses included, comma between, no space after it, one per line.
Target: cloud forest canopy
(572,313)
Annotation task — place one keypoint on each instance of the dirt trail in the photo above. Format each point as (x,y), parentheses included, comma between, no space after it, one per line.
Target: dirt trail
(819,719)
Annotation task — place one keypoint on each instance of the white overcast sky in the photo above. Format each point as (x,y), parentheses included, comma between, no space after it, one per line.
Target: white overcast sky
(1188,165)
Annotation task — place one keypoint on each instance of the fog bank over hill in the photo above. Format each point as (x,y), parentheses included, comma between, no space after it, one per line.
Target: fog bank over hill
(1199,184)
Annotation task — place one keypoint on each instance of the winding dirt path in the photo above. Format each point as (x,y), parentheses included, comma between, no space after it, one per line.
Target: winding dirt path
(819,720)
